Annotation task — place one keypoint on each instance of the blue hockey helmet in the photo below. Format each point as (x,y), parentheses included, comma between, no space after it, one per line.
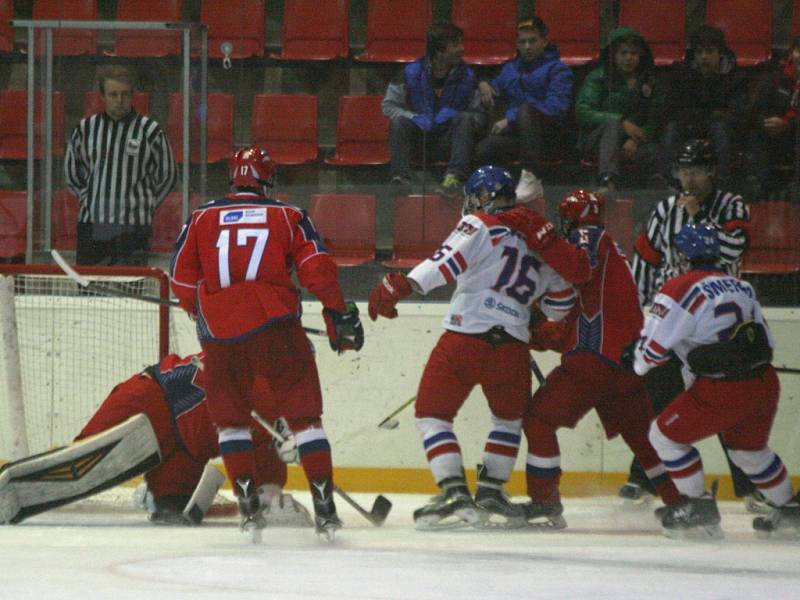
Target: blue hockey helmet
(698,242)
(484,186)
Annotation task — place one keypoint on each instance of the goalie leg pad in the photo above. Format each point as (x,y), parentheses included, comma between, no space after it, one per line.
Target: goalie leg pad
(204,494)
(39,483)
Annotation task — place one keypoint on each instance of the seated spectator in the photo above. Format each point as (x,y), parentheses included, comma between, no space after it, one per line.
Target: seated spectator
(536,89)
(434,103)
(618,107)
(706,99)
(773,137)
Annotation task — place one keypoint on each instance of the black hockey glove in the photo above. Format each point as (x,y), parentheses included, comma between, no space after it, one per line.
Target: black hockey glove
(345,331)
(629,355)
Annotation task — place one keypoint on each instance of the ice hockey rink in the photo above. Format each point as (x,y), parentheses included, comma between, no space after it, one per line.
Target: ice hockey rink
(606,552)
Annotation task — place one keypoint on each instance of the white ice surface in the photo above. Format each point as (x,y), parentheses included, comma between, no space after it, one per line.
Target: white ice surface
(606,552)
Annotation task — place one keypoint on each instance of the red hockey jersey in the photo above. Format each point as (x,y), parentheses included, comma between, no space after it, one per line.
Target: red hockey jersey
(233,262)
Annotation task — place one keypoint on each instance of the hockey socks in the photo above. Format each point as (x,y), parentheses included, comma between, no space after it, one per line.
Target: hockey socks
(315,453)
(502,446)
(236,448)
(767,472)
(441,448)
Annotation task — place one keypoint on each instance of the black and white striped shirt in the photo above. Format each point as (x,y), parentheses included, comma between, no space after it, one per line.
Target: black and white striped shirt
(656,259)
(120,170)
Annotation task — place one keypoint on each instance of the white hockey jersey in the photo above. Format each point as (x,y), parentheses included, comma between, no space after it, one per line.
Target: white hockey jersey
(695,309)
(497,279)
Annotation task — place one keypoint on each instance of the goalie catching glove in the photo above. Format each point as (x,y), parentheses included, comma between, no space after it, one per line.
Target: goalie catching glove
(384,298)
(344,329)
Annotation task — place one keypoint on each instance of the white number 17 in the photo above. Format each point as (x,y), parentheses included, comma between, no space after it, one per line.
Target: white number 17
(242,235)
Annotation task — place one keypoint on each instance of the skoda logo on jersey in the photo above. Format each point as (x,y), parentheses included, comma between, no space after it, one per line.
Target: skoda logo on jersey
(232,216)
(243,215)
(489,303)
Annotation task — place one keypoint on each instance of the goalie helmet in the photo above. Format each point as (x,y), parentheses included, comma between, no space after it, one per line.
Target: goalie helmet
(484,186)
(580,207)
(251,167)
(698,243)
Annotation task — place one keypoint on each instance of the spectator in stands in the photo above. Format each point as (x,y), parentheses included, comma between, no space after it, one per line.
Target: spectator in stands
(536,89)
(618,107)
(120,166)
(434,102)
(707,98)
(773,137)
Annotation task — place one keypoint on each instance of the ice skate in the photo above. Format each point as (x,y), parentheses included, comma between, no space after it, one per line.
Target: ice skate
(451,509)
(544,515)
(781,521)
(694,518)
(252,521)
(756,503)
(635,495)
(496,511)
(326,521)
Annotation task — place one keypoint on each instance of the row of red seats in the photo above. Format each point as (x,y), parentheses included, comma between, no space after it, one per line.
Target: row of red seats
(396,30)
(347,225)
(287,125)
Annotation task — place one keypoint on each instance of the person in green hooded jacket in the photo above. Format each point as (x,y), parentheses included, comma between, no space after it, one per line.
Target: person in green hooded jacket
(618,108)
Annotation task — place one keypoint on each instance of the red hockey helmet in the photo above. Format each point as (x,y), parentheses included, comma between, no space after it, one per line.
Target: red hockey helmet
(580,208)
(251,167)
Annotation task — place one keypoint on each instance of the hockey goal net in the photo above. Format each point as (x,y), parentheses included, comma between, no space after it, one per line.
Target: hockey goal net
(64,349)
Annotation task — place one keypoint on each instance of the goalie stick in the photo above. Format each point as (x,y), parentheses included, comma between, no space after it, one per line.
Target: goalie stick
(105,290)
(381,506)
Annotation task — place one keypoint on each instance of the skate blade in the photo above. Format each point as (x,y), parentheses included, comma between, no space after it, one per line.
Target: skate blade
(254,533)
(327,535)
(490,520)
(641,503)
(705,533)
(463,517)
(548,523)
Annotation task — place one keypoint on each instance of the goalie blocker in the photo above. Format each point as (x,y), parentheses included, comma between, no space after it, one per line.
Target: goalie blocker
(45,481)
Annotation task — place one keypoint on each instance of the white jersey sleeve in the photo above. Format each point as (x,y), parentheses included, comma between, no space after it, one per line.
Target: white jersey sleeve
(497,279)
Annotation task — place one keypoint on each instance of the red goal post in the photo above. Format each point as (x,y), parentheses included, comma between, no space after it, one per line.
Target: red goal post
(64,348)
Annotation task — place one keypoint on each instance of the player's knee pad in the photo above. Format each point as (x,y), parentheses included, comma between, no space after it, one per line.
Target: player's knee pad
(752,461)
(429,426)
(666,448)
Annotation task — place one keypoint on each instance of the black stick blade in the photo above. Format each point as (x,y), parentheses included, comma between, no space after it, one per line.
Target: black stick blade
(380,509)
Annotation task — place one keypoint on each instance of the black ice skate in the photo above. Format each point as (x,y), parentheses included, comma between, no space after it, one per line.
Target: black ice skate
(544,515)
(252,521)
(636,494)
(451,509)
(694,518)
(496,511)
(326,521)
(781,520)
(756,503)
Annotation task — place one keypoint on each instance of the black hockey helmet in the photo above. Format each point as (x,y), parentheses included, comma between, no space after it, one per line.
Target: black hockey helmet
(697,152)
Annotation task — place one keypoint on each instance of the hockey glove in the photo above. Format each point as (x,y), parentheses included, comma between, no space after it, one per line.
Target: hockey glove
(384,298)
(445,114)
(286,449)
(344,328)
(424,122)
(628,355)
(538,231)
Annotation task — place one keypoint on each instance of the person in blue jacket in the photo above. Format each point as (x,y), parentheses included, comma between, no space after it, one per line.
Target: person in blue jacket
(536,90)
(433,102)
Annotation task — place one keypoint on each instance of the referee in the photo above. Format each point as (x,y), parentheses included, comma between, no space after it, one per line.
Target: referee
(120,166)
(656,260)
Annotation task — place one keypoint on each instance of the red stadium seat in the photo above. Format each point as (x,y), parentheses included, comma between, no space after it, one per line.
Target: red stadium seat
(388,42)
(240,22)
(663,25)
(748,28)
(14,128)
(93,103)
(6,31)
(574,27)
(795,19)
(287,127)
(490,32)
(362,132)
(64,219)
(314,30)
(220,127)
(168,220)
(346,224)
(421,224)
(774,239)
(143,42)
(13,223)
(70,42)
(619,223)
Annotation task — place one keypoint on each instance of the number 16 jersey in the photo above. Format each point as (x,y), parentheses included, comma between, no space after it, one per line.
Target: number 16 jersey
(497,279)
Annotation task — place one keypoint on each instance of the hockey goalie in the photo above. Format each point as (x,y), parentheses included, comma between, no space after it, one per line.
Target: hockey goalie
(156,423)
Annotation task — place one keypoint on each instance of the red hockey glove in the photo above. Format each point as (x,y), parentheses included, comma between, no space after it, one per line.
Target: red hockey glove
(538,231)
(344,329)
(383,299)
(550,335)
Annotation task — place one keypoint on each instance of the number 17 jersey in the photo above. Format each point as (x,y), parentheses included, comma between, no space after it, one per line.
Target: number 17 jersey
(497,279)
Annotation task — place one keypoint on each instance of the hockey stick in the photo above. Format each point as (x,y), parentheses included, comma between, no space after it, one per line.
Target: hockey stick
(787,370)
(537,371)
(104,290)
(381,506)
(390,422)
